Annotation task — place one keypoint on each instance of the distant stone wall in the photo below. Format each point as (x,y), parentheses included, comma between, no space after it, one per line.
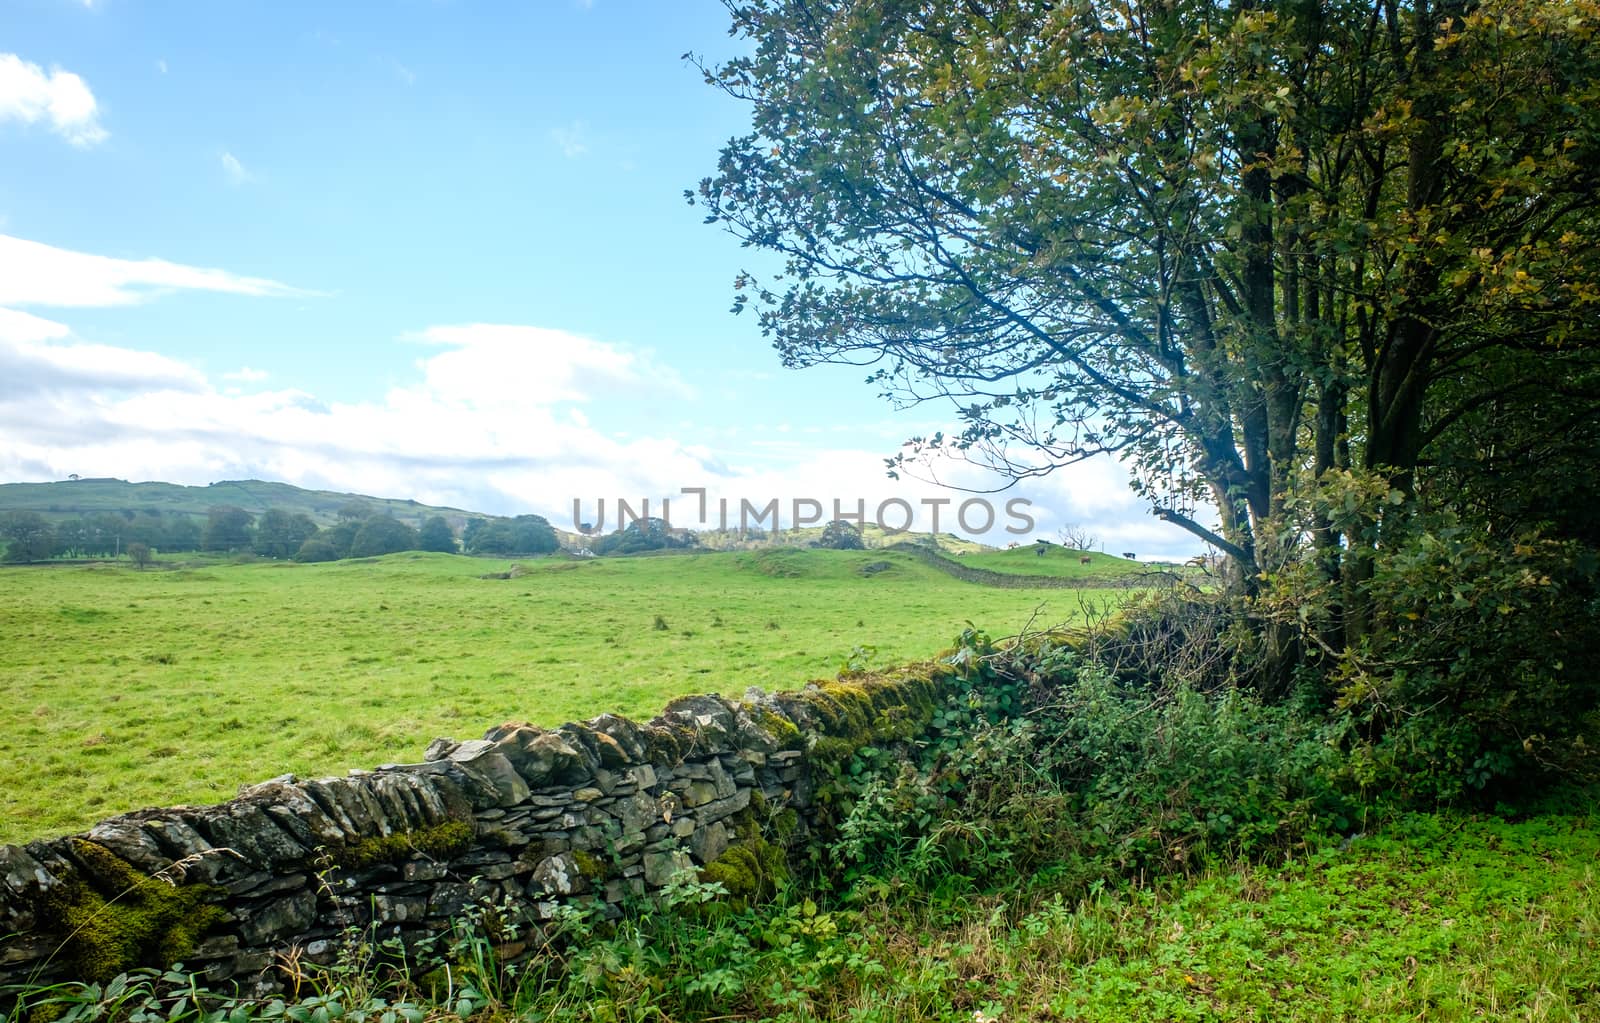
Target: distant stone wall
(1156,578)
(597,811)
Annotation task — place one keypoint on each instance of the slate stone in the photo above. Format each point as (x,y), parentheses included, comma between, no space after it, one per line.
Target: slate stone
(488,763)
(543,758)
(276,919)
(660,867)
(558,875)
(709,842)
(128,839)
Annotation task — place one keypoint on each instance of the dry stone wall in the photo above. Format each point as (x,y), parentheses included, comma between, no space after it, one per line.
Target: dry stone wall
(599,812)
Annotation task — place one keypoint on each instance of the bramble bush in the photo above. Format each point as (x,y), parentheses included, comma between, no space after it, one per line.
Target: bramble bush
(1479,680)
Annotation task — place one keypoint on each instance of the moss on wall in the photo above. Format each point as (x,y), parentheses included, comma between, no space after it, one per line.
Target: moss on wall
(750,870)
(111,918)
(440,842)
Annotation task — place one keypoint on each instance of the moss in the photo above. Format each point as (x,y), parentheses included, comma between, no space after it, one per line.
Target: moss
(785,824)
(589,865)
(750,871)
(440,842)
(863,709)
(116,918)
(779,727)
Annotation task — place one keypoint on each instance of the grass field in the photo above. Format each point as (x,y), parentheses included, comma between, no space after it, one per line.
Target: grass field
(129,689)
(1056,561)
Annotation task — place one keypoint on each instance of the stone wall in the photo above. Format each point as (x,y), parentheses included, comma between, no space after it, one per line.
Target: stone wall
(599,811)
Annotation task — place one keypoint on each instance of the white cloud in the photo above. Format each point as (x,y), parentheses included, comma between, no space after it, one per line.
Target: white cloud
(29,93)
(234,169)
(508,365)
(35,274)
(25,327)
(247,375)
(30,368)
(161,66)
(571,140)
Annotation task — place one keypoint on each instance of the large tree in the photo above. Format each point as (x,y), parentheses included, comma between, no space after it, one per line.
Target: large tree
(280,533)
(28,536)
(1280,256)
(227,528)
(382,534)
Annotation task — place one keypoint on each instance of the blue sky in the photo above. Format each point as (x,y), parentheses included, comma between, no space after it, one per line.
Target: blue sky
(420,249)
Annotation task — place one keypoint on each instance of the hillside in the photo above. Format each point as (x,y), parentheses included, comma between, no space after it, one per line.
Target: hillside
(71,498)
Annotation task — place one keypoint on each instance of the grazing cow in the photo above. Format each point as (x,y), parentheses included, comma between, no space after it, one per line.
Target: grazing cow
(1084,561)
(1130,555)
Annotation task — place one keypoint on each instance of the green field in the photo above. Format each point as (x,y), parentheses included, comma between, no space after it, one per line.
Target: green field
(130,689)
(1061,562)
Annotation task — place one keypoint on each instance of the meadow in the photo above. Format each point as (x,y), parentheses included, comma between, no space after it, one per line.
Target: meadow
(1057,561)
(128,689)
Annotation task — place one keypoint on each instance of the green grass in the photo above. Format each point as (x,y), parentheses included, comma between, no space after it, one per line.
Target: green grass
(1436,918)
(129,689)
(1439,918)
(1056,561)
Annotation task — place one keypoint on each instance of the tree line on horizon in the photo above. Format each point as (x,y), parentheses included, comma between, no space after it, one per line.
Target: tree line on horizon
(275,533)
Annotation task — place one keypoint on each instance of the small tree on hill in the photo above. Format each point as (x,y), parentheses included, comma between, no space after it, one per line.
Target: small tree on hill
(840,535)
(140,554)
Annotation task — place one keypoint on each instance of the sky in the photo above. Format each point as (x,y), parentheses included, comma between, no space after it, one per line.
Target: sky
(425,248)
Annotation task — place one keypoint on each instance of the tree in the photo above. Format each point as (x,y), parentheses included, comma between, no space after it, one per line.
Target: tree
(72,538)
(227,528)
(1076,537)
(140,554)
(1280,257)
(279,534)
(524,534)
(382,534)
(436,535)
(651,534)
(354,510)
(28,537)
(341,536)
(317,548)
(841,536)
(183,534)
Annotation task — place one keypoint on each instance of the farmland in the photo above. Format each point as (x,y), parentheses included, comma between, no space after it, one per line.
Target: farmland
(131,688)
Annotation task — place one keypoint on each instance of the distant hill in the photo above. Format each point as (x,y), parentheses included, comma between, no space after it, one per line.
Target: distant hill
(74,498)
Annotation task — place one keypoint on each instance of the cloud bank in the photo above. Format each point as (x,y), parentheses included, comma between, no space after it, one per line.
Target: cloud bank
(500,418)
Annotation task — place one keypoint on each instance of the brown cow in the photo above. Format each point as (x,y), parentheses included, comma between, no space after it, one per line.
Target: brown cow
(1084,561)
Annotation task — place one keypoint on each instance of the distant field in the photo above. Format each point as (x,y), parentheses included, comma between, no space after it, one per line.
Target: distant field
(1057,561)
(129,689)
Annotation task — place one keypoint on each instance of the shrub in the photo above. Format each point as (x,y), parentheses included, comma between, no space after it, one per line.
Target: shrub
(316,549)
(1478,677)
